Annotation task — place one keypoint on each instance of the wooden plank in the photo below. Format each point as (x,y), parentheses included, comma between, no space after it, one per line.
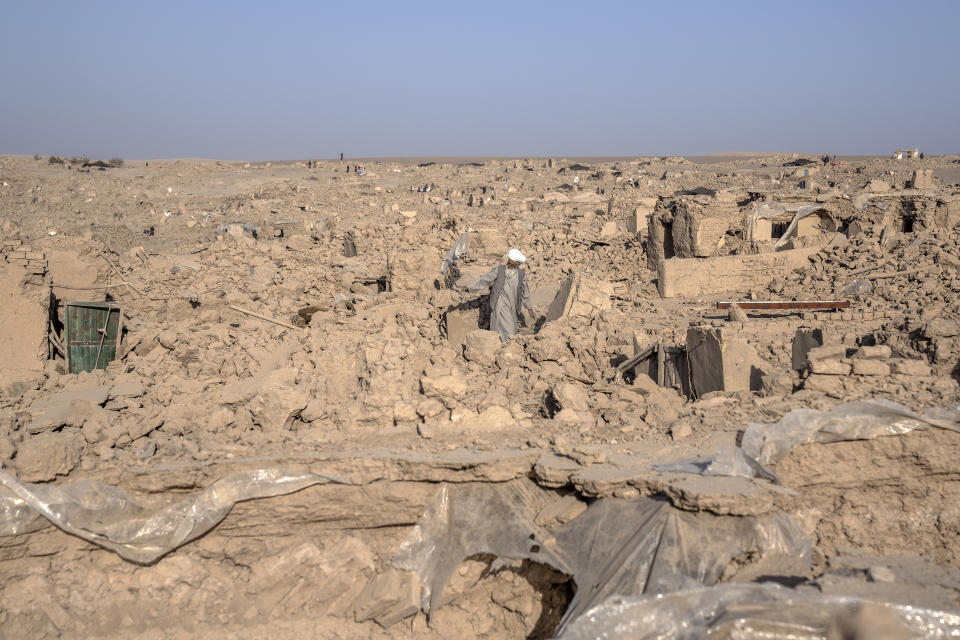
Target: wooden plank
(789,305)
(630,363)
(660,363)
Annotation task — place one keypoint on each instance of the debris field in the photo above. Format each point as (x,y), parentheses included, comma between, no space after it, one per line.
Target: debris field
(741,387)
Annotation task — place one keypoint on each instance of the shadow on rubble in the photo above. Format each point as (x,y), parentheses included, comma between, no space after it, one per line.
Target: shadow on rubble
(463,317)
(554,589)
(955,374)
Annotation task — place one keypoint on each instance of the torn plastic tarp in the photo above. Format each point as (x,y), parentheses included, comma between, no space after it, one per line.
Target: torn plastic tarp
(624,547)
(860,420)
(858,287)
(458,251)
(753,611)
(471,519)
(727,461)
(114,519)
(769,210)
(766,443)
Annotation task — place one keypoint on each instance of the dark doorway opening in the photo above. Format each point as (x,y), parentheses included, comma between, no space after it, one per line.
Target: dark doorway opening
(668,250)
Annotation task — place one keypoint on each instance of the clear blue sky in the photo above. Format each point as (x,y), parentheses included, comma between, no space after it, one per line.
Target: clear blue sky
(285,80)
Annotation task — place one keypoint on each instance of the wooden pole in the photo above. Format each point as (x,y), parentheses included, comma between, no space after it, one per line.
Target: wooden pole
(262,317)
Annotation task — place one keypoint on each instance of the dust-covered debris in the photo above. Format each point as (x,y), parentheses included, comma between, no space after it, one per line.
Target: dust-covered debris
(309,316)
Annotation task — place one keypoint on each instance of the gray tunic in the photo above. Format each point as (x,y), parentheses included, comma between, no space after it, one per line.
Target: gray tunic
(508,291)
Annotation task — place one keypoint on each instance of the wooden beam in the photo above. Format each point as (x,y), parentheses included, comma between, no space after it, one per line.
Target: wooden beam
(789,305)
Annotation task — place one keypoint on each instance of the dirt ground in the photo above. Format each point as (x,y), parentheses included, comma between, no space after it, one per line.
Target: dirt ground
(294,316)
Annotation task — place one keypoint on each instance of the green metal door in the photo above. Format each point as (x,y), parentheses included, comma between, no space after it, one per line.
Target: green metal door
(92,335)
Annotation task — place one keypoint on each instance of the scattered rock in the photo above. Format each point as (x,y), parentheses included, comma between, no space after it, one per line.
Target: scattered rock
(680,429)
(571,396)
(45,456)
(482,347)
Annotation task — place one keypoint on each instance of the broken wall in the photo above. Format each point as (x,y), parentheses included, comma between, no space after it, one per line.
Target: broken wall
(693,277)
(23,324)
(720,362)
(695,226)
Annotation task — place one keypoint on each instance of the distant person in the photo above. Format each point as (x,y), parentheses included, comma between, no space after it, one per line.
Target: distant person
(341,156)
(509,292)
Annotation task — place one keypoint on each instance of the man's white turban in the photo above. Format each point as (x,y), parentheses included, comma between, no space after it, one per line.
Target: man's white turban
(516,256)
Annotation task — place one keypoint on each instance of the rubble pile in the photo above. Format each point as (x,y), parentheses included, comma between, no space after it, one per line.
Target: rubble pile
(916,279)
(302,395)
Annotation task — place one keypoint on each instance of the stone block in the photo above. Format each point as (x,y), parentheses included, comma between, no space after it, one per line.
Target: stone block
(907,367)
(865,367)
(824,383)
(827,352)
(830,368)
(429,407)
(922,179)
(43,457)
(879,352)
(493,418)
(580,297)
(410,268)
(449,388)
(482,347)
(803,342)
(461,322)
(571,396)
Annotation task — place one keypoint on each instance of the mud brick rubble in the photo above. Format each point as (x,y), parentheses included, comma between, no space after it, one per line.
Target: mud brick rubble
(293,316)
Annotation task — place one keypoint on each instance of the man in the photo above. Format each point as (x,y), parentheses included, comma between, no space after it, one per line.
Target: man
(508,292)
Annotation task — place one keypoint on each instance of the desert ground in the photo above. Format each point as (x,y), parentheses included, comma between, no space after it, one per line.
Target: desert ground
(305,429)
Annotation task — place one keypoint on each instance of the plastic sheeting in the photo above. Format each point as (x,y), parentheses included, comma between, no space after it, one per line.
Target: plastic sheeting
(858,287)
(729,461)
(466,520)
(753,611)
(114,519)
(861,420)
(768,210)
(623,547)
(458,251)
(766,443)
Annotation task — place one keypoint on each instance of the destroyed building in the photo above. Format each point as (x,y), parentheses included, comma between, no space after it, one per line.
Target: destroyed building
(903,154)
(737,403)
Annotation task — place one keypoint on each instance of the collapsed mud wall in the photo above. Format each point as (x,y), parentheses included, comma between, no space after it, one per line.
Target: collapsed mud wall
(694,226)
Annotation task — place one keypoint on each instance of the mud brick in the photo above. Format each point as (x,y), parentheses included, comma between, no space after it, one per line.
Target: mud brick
(829,368)
(910,367)
(865,367)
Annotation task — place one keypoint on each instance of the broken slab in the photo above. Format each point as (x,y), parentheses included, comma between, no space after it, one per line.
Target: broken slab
(803,342)
(390,597)
(922,179)
(59,409)
(482,347)
(720,362)
(45,456)
(460,322)
(580,297)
